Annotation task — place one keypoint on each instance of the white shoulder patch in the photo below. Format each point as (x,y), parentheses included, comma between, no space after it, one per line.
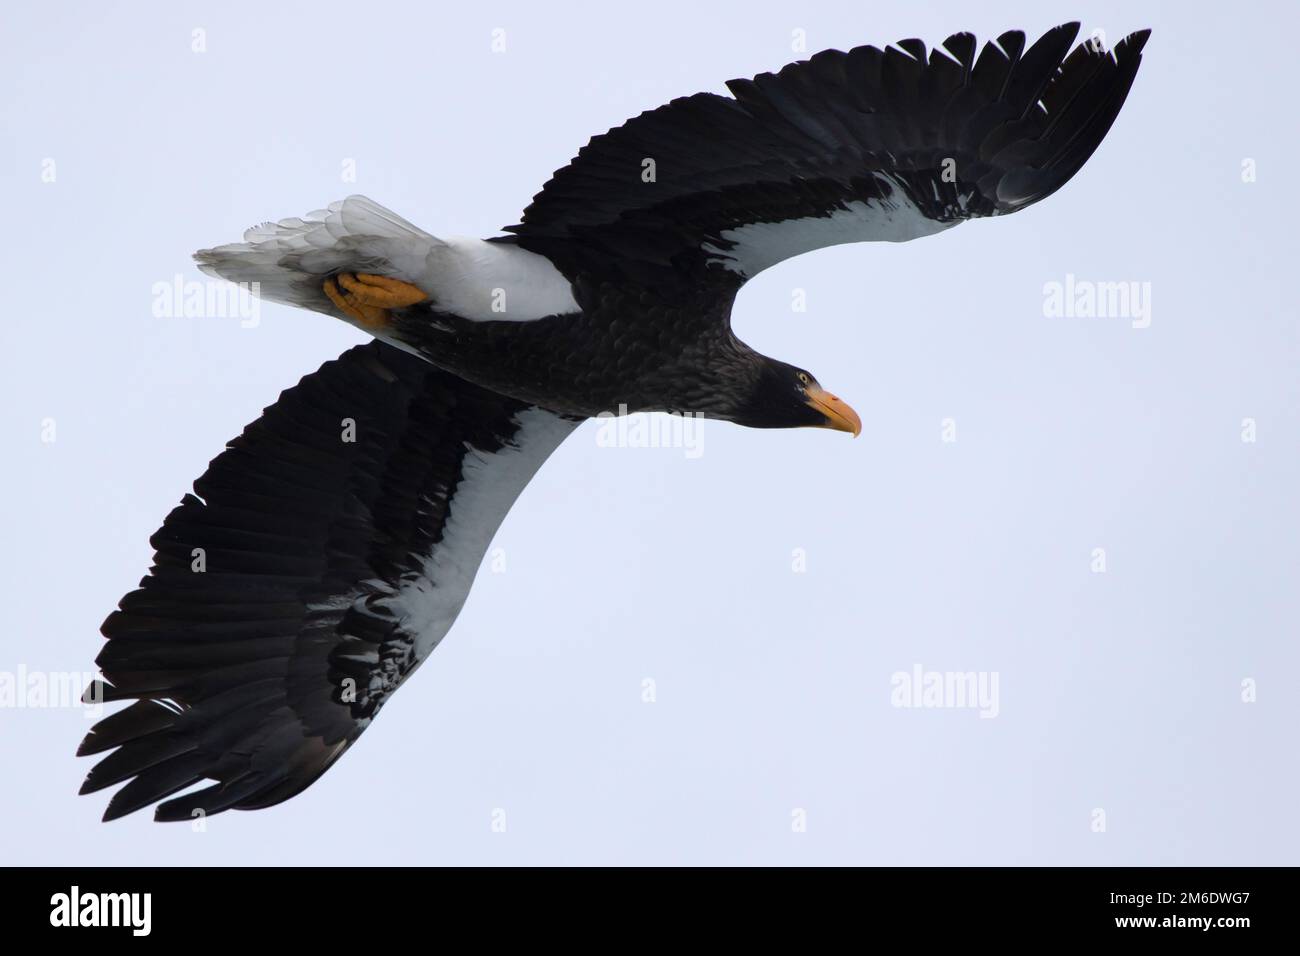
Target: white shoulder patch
(490,482)
(759,245)
(495,281)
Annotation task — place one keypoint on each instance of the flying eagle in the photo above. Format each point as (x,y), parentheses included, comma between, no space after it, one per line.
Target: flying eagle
(333,568)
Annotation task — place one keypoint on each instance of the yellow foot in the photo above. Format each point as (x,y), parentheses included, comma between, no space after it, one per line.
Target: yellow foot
(368,298)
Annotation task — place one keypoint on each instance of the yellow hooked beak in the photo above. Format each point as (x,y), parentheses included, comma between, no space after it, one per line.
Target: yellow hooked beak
(837,412)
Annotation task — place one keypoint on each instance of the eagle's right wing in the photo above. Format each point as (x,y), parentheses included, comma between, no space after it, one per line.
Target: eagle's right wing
(321,558)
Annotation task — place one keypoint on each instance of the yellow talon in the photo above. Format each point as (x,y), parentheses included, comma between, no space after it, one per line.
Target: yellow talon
(365,314)
(382,291)
(367,298)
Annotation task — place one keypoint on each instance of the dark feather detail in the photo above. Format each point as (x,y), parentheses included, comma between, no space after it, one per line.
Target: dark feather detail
(1013,124)
(238,672)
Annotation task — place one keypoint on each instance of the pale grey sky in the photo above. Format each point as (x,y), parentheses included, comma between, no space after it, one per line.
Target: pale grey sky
(1119,691)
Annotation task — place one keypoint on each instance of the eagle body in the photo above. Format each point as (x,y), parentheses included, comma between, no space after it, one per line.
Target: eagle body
(594,360)
(342,530)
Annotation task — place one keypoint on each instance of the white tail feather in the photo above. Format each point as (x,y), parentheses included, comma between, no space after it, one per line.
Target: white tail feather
(472,278)
(290,258)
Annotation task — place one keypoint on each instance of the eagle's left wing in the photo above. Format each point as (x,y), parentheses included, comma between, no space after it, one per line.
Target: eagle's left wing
(845,147)
(322,557)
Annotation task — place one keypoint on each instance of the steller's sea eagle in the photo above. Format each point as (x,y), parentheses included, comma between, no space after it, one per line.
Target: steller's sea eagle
(333,568)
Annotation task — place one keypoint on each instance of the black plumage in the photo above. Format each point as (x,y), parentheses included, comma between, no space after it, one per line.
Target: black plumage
(241,665)
(804,141)
(333,567)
